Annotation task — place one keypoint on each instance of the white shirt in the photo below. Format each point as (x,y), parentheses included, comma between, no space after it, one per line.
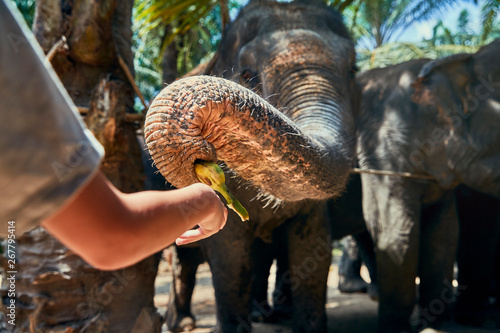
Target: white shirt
(46,152)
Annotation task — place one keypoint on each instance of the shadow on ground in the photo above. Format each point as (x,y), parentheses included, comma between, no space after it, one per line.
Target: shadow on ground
(347,313)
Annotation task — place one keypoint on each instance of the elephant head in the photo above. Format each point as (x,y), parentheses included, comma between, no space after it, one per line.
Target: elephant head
(466,90)
(282,116)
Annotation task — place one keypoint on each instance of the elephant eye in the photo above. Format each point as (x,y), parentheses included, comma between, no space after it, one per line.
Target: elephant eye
(353,71)
(249,78)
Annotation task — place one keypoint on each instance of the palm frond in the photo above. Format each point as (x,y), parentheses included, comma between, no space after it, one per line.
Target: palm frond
(423,10)
(384,19)
(489,13)
(395,53)
(344,4)
(184,13)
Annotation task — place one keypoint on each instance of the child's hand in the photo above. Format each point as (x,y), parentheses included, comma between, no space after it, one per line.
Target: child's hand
(215,219)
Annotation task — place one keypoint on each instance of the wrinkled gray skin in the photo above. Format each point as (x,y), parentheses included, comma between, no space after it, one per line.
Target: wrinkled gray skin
(299,57)
(452,135)
(345,217)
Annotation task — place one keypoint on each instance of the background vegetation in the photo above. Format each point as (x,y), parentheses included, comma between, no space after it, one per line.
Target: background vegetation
(171,37)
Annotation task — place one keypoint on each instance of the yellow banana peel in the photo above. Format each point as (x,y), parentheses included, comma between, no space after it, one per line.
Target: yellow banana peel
(211,174)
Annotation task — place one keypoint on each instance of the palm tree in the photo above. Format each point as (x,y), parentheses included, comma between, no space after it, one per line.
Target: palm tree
(191,27)
(342,5)
(377,22)
(172,37)
(465,35)
(490,12)
(397,52)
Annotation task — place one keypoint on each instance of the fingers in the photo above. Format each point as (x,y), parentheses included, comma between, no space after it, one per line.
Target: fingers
(212,220)
(195,235)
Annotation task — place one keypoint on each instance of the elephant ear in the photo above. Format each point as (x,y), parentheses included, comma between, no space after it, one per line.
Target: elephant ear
(445,83)
(443,63)
(486,62)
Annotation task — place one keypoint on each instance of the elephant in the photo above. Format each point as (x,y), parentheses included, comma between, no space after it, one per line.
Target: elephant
(347,221)
(278,115)
(345,217)
(357,249)
(435,119)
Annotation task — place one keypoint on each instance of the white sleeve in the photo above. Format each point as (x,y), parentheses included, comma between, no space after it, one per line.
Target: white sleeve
(46,152)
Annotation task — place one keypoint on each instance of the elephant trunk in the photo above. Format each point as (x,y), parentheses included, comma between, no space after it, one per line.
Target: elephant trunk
(209,118)
(322,111)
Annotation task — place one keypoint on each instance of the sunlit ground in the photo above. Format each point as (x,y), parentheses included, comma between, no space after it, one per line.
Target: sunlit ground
(347,313)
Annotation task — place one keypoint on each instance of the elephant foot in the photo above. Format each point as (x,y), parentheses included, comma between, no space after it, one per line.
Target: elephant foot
(352,285)
(180,322)
(260,312)
(266,314)
(372,291)
(282,314)
(241,327)
(484,316)
(278,317)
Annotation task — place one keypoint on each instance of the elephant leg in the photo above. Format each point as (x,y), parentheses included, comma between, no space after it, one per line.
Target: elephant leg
(438,246)
(178,316)
(282,294)
(346,212)
(396,291)
(350,280)
(263,256)
(229,255)
(392,213)
(479,234)
(367,252)
(309,260)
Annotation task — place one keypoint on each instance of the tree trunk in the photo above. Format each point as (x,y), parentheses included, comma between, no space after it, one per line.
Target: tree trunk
(169,59)
(56,290)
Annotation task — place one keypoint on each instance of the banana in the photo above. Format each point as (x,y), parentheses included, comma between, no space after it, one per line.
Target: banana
(212,175)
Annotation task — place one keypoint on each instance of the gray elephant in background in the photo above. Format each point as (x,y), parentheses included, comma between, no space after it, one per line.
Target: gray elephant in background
(290,143)
(345,217)
(437,118)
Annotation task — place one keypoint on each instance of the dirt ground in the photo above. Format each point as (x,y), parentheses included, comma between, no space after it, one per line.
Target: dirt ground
(353,313)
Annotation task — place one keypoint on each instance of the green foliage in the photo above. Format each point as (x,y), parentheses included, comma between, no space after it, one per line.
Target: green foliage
(376,22)
(194,27)
(441,35)
(147,71)
(373,51)
(463,22)
(397,52)
(27,9)
(199,43)
(181,15)
(465,34)
(342,5)
(490,13)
